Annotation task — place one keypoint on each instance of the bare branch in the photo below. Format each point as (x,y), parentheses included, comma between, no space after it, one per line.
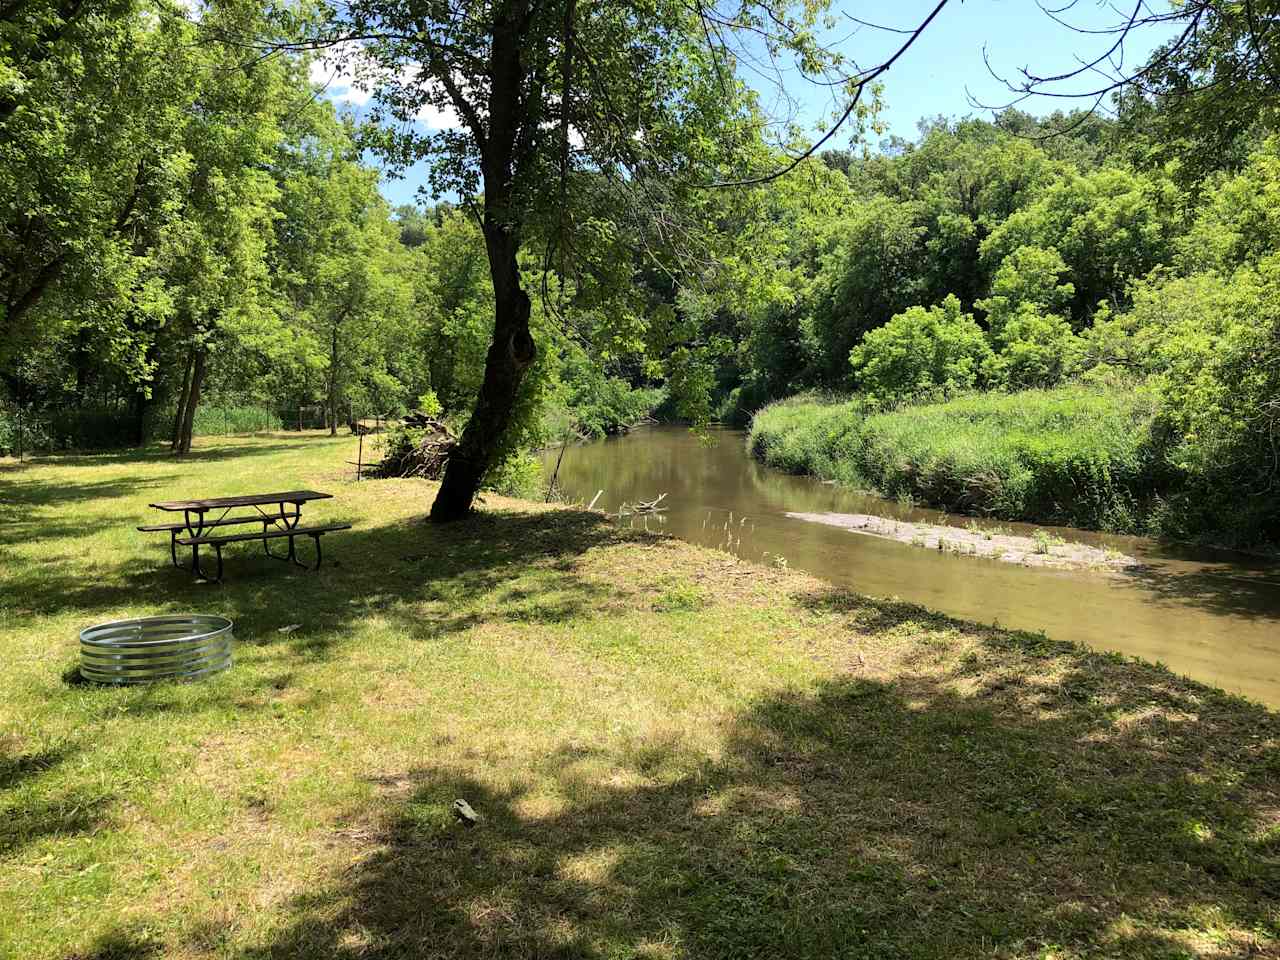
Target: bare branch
(862,80)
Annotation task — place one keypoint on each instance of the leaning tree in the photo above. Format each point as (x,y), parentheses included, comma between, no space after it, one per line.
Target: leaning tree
(657,100)
(567,112)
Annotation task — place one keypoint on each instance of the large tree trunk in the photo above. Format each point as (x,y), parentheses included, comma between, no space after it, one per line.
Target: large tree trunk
(193,399)
(510,354)
(505,150)
(184,391)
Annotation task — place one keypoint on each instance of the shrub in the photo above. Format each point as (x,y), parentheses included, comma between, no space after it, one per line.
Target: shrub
(68,428)
(1034,350)
(875,270)
(1212,349)
(1027,315)
(429,404)
(614,406)
(919,350)
(20,430)
(212,421)
(519,475)
(1030,276)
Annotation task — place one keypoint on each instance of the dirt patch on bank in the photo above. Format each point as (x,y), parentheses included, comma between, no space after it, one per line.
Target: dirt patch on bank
(1040,550)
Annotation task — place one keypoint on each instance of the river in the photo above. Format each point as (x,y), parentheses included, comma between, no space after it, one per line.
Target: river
(1212,615)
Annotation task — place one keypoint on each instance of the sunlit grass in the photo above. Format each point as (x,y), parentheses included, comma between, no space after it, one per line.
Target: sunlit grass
(673,754)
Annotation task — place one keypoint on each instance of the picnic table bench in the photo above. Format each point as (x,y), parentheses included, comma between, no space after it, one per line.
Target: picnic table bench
(194,530)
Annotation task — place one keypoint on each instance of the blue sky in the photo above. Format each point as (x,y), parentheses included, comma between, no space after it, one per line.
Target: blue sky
(936,76)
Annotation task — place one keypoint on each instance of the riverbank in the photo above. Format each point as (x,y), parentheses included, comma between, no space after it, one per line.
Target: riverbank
(672,753)
(1072,456)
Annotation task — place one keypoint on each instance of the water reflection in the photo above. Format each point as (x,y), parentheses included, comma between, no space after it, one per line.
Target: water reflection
(1213,615)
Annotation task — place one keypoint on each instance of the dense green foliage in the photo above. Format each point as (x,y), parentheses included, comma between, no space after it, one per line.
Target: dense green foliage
(921,349)
(1071,455)
(183,225)
(173,211)
(1095,269)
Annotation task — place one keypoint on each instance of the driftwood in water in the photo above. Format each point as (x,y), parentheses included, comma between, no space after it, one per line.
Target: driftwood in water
(642,506)
(414,455)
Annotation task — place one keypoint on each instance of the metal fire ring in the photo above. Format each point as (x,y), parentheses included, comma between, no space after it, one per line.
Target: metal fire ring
(147,649)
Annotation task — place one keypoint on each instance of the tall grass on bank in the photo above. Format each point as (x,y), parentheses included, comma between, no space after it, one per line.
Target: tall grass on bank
(1075,455)
(212,421)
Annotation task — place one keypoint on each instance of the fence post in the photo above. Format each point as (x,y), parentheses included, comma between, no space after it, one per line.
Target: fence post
(18,415)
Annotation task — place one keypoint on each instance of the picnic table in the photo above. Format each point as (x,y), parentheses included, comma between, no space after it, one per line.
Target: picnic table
(279,513)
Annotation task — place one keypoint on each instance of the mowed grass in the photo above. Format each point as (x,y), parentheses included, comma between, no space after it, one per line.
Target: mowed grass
(673,754)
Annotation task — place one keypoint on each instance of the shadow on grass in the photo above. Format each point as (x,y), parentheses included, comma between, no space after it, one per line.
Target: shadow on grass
(17,768)
(156,452)
(17,497)
(866,819)
(121,944)
(972,810)
(367,568)
(427,582)
(24,820)
(26,815)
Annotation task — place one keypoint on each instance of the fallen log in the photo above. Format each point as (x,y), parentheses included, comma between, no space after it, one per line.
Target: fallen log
(420,450)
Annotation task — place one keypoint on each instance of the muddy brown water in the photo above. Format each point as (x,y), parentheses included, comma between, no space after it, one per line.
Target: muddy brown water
(1212,615)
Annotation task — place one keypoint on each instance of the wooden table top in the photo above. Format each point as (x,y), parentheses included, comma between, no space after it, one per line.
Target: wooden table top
(248,500)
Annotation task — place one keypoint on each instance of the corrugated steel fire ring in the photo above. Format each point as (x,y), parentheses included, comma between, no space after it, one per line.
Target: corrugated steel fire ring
(147,649)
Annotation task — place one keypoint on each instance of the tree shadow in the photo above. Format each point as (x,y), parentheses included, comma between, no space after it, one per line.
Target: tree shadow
(1237,585)
(26,531)
(16,498)
(121,944)
(150,455)
(24,820)
(15,769)
(426,582)
(26,816)
(864,818)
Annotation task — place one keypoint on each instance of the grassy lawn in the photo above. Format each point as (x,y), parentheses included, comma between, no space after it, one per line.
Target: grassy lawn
(673,754)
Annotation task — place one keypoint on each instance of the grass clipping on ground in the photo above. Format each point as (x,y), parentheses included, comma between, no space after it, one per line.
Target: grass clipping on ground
(671,753)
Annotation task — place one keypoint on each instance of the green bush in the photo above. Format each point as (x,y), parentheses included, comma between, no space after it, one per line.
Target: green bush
(519,475)
(920,350)
(612,405)
(19,427)
(1028,318)
(1210,345)
(67,428)
(1034,350)
(1073,455)
(429,404)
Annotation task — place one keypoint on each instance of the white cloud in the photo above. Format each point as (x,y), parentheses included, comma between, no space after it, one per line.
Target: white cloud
(435,118)
(342,85)
(337,75)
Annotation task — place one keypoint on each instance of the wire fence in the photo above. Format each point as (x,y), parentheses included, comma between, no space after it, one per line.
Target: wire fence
(26,432)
